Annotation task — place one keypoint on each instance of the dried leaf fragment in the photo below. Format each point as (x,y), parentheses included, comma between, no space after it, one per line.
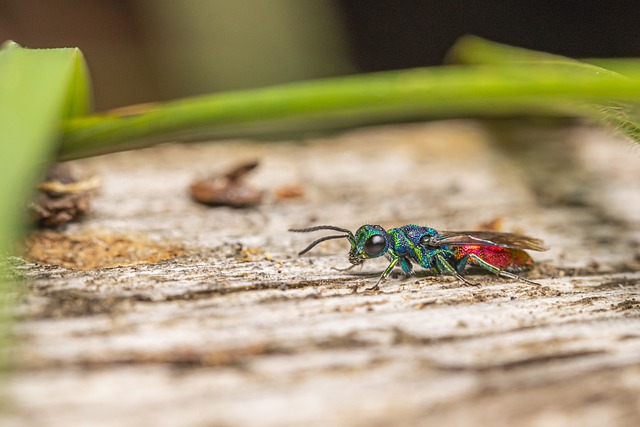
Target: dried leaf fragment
(289,192)
(227,189)
(61,197)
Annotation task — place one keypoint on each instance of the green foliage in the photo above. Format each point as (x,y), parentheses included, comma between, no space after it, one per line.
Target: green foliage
(38,90)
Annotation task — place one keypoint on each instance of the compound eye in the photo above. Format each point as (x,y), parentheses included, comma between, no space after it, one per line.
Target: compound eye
(375,245)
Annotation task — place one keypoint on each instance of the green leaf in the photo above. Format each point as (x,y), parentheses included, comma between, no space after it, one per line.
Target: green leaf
(620,115)
(476,50)
(39,89)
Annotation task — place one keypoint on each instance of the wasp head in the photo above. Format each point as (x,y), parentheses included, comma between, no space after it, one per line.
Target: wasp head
(371,241)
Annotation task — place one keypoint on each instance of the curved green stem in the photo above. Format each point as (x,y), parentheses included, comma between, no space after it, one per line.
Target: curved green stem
(484,90)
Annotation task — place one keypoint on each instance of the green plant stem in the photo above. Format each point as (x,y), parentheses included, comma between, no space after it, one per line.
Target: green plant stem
(508,89)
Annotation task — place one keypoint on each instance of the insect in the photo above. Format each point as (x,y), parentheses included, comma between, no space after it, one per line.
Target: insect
(443,252)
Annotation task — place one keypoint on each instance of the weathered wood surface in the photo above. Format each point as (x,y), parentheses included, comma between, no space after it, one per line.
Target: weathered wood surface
(240,331)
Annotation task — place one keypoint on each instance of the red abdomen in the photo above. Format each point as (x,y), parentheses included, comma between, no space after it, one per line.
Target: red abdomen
(504,258)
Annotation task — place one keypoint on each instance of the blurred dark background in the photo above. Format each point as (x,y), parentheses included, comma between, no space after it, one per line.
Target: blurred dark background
(149,50)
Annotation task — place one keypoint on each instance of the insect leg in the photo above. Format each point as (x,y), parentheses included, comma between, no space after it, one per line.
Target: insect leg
(475,259)
(406,266)
(443,266)
(384,274)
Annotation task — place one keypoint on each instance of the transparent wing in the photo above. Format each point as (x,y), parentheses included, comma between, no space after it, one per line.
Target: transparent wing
(487,238)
